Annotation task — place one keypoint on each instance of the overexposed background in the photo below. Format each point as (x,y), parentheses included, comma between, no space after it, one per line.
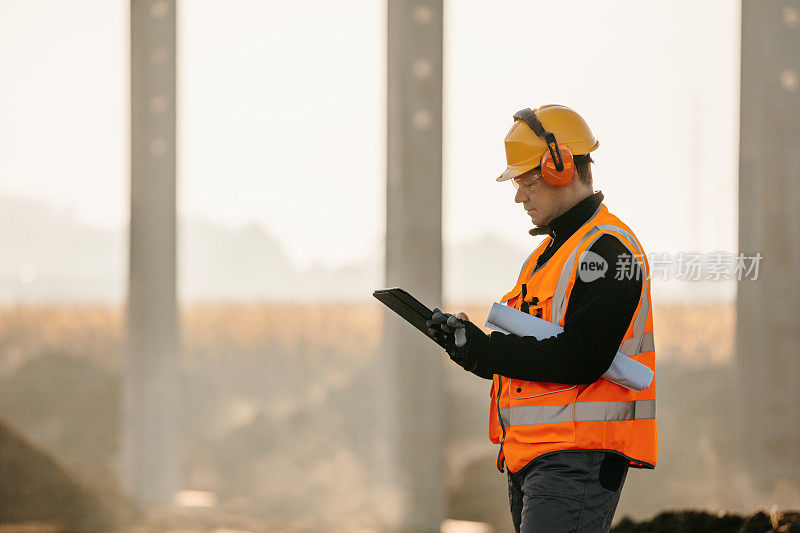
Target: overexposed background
(281,203)
(281,140)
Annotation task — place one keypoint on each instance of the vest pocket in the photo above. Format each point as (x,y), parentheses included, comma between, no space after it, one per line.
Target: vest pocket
(519,389)
(548,417)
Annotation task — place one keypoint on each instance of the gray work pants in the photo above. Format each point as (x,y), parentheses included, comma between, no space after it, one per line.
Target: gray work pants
(572,490)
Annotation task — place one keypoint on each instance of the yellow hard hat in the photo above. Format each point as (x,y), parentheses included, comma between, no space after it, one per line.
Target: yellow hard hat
(524,149)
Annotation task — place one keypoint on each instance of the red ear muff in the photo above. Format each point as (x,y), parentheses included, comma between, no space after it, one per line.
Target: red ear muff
(558,178)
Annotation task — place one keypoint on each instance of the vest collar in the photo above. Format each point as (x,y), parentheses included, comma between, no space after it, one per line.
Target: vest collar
(565,224)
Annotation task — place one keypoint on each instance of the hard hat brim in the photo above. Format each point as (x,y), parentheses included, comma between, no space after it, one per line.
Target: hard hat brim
(515,170)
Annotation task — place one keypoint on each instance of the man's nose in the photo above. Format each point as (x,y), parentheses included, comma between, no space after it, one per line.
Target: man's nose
(521,196)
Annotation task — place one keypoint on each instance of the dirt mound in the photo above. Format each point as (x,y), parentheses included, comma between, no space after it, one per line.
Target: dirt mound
(693,521)
(34,488)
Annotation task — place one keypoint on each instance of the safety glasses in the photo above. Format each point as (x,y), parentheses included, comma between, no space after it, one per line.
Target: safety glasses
(527,181)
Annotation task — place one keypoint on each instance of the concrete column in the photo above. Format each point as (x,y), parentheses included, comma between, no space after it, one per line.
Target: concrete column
(768,309)
(150,433)
(414,462)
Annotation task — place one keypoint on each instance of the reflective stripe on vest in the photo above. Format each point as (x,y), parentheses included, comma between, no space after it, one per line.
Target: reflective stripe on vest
(628,346)
(521,270)
(528,415)
(640,342)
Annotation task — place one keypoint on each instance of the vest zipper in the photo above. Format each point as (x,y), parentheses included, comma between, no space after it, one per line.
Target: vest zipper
(500,456)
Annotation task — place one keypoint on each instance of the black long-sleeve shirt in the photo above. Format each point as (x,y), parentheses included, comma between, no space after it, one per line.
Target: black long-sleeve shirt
(597,317)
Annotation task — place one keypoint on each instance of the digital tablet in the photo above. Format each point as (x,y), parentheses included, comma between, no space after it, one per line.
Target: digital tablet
(412,310)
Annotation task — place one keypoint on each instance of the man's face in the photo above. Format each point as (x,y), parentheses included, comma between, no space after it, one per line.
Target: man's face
(540,200)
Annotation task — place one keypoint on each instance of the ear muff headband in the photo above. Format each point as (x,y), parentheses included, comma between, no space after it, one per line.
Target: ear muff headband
(529,117)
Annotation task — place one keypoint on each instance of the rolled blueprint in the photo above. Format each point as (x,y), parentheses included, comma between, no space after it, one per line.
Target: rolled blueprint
(624,371)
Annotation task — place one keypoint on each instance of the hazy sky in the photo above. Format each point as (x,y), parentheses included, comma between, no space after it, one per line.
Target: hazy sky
(282,113)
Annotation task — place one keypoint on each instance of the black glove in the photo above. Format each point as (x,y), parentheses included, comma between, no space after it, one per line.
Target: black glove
(440,331)
(464,342)
(473,355)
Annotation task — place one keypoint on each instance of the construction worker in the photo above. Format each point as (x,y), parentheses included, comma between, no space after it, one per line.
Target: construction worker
(566,436)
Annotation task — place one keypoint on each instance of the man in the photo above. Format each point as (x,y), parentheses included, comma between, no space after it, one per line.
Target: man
(566,435)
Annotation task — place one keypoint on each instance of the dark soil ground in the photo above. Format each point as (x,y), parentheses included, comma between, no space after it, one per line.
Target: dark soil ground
(692,521)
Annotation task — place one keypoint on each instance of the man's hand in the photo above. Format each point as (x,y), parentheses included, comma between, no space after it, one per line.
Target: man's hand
(465,343)
(448,327)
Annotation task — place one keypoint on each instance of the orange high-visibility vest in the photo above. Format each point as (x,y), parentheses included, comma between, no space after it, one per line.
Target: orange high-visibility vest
(531,418)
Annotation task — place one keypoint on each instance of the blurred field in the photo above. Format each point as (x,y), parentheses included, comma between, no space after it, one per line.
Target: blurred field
(274,399)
